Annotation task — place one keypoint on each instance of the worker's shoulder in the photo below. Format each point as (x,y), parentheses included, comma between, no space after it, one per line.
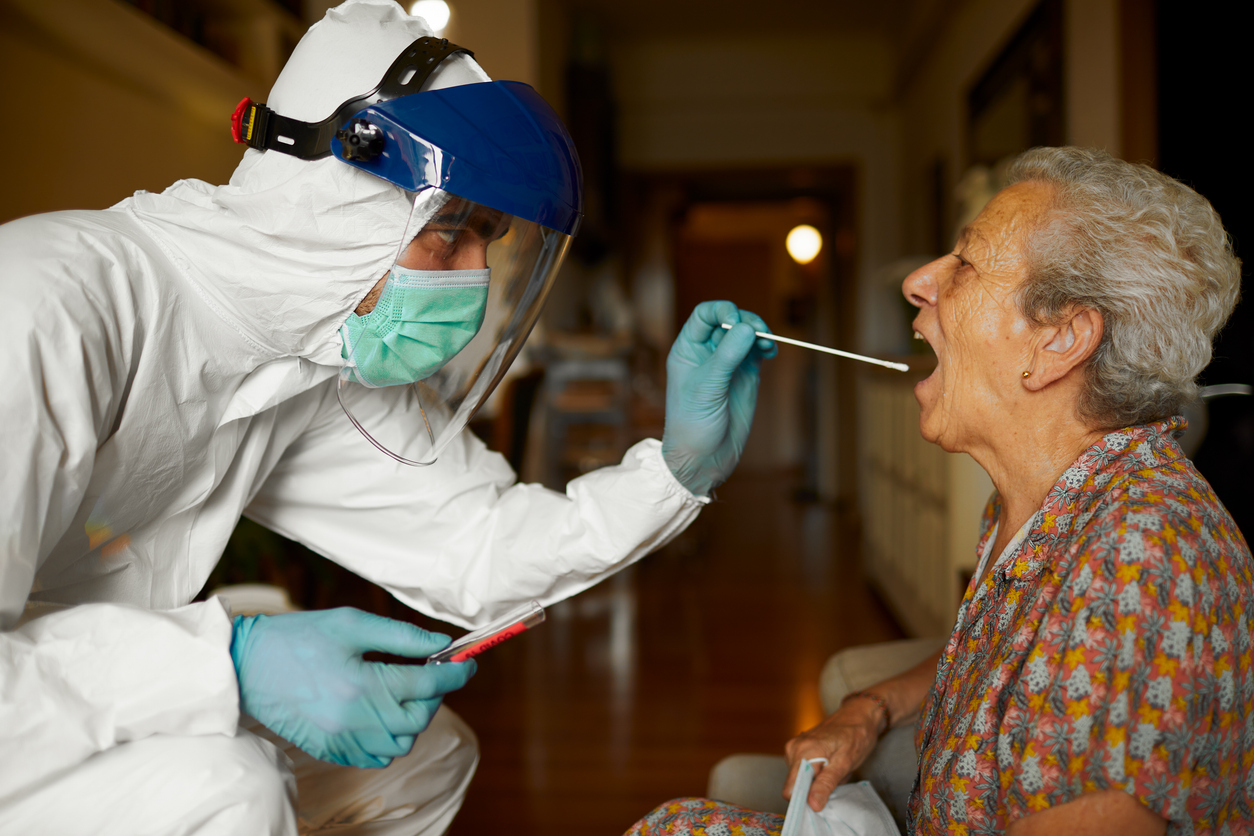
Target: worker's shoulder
(73,261)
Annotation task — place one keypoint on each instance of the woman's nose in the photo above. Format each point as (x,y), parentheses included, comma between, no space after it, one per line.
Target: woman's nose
(919,288)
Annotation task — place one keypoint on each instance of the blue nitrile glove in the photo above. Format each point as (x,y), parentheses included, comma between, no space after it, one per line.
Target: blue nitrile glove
(711,391)
(302,675)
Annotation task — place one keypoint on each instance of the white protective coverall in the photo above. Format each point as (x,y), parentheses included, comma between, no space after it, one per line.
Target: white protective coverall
(171,362)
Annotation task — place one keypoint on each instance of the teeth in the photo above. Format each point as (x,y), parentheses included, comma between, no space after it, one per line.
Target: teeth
(917,335)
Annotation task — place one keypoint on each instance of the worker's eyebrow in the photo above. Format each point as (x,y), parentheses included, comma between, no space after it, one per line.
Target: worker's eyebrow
(454,218)
(485,222)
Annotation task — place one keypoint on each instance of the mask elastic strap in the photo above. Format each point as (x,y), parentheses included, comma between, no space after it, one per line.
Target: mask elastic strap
(257,126)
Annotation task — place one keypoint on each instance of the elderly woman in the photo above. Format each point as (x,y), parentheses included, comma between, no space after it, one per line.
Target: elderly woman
(1098,678)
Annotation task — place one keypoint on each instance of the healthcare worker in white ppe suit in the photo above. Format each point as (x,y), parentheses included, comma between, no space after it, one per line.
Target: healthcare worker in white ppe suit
(304,346)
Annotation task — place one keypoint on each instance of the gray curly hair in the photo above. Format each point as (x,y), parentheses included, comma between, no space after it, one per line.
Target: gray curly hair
(1147,252)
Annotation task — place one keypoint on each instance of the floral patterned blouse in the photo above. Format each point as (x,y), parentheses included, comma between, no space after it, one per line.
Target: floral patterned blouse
(1109,649)
(705,817)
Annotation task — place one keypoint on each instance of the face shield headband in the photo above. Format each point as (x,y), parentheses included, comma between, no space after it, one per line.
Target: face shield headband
(257,126)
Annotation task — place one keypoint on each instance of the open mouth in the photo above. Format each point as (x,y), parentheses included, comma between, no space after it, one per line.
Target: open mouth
(918,335)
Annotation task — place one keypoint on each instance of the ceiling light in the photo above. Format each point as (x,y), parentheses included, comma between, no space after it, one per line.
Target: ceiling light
(804,243)
(435,12)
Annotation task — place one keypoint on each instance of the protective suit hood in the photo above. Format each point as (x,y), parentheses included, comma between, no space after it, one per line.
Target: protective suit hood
(289,247)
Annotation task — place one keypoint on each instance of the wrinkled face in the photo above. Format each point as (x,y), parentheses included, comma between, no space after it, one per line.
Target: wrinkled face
(457,238)
(968,315)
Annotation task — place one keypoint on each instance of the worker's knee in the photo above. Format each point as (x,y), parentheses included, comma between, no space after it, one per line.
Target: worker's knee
(457,743)
(465,740)
(419,793)
(204,785)
(239,784)
(247,783)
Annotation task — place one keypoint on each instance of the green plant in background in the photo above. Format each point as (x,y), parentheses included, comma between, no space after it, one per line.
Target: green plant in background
(255,554)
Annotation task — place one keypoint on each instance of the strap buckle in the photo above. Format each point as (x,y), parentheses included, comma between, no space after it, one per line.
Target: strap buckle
(249,122)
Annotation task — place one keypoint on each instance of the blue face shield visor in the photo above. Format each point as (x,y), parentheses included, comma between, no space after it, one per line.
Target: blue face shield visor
(494,184)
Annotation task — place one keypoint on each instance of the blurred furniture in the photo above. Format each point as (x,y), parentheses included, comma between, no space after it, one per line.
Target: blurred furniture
(856,668)
(756,781)
(752,781)
(585,399)
(592,395)
(255,598)
(920,506)
(507,431)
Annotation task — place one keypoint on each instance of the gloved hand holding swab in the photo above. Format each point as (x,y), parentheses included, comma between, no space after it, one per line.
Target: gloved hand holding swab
(888,364)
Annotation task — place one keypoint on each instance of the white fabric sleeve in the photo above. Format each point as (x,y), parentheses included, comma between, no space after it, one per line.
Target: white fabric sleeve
(460,540)
(61,369)
(79,681)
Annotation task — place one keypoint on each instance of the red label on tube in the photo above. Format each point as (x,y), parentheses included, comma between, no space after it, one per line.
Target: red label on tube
(491,641)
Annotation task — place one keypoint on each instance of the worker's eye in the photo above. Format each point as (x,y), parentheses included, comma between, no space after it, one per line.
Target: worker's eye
(446,236)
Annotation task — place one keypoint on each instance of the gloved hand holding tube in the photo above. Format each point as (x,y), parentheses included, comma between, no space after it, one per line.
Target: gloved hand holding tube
(302,675)
(711,393)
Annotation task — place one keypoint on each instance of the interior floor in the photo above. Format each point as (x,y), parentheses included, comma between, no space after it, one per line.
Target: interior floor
(633,690)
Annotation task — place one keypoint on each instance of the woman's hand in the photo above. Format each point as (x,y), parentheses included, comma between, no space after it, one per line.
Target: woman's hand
(846,739)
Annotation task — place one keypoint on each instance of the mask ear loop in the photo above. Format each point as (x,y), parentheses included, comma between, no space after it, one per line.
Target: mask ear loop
(339,394)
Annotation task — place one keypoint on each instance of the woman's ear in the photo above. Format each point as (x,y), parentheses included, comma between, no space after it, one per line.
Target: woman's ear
(1065,347)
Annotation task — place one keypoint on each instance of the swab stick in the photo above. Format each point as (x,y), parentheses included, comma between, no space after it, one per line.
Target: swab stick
(901,367)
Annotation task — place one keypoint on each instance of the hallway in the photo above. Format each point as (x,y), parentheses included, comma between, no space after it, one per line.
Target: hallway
(630,692)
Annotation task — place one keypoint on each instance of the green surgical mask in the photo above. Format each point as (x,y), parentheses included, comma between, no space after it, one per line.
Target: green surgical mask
(423,318)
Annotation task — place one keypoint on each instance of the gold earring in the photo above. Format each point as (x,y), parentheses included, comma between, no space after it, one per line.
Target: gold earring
(1027,374)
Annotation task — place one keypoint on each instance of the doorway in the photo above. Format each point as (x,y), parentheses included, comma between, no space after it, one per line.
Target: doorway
(723,236)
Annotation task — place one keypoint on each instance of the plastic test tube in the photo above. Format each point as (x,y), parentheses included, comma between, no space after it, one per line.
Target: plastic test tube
(477,641)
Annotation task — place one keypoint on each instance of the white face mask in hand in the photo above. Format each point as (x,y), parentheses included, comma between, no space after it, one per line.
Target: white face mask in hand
(852,810)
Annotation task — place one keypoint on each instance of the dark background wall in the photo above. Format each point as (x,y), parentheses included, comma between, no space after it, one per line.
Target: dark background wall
(1203,102)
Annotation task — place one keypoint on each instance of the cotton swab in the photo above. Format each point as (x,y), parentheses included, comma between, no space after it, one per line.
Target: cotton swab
(901,367)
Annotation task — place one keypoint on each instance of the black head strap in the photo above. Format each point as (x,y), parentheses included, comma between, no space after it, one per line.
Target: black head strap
(259,127)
